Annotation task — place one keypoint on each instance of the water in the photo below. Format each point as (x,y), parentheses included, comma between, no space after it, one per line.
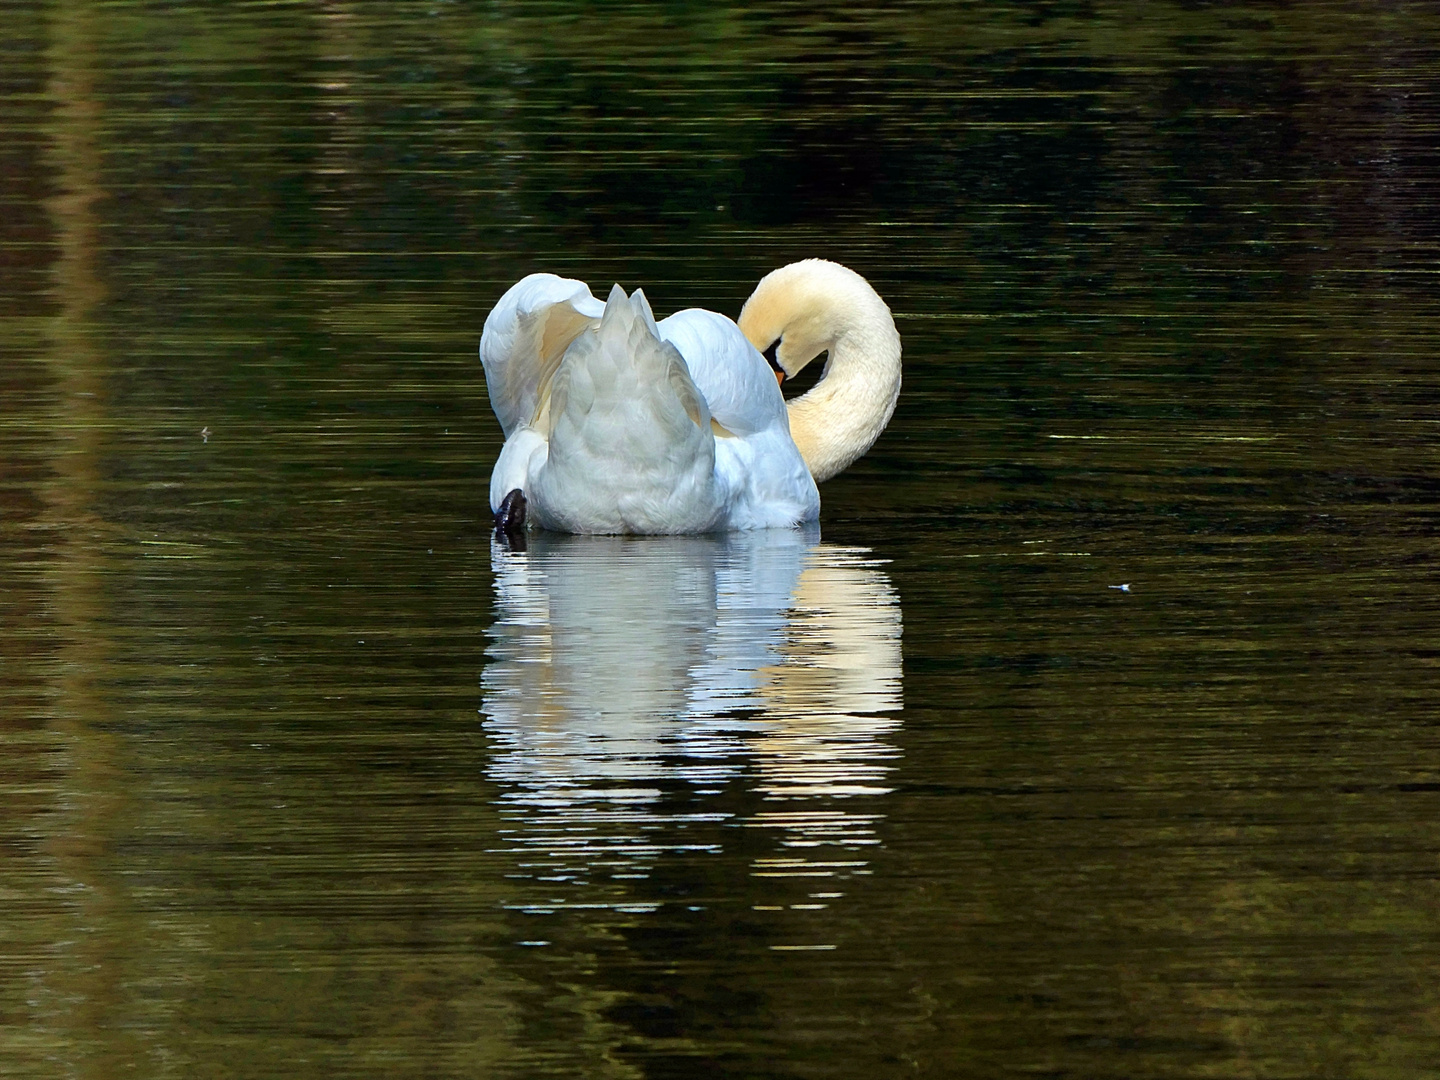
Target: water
(302,778)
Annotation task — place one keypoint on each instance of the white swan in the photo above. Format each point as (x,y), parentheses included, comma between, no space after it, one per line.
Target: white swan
(615,423)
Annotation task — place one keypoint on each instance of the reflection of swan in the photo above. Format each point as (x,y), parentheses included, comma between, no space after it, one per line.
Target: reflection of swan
(624,667)
(615,423)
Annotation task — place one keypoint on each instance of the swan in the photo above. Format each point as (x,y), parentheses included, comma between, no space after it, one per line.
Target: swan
(617,423)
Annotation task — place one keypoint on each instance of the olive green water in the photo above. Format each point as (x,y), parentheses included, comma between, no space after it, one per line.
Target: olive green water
(300,778)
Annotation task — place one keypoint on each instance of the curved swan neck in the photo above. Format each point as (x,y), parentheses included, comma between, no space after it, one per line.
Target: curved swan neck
(815,306)
(845,412)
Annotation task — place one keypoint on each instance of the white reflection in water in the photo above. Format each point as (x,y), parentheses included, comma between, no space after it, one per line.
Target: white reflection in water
(632,679)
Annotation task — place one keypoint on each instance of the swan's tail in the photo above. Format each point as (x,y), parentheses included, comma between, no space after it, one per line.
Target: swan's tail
(630,443)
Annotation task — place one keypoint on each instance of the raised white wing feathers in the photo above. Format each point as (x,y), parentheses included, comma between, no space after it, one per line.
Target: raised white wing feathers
(525,339)
(759,478)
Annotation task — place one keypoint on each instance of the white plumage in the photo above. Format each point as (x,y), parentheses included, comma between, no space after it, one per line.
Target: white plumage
(615,423)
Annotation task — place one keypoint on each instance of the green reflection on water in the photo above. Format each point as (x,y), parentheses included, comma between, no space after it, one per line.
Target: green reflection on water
(1163,276)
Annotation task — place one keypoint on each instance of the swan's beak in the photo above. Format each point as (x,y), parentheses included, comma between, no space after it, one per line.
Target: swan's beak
(779,377)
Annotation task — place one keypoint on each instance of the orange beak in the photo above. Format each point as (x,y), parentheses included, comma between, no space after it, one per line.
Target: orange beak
(779,377)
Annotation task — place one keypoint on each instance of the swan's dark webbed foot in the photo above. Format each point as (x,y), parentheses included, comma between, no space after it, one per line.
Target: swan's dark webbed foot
(510,520)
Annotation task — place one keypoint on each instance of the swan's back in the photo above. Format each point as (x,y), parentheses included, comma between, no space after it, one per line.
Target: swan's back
(630,445)
(616,425)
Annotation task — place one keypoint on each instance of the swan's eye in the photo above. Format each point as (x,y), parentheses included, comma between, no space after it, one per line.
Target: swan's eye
(769,355)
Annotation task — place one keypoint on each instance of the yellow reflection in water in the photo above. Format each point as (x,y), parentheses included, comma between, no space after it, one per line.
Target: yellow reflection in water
(79,989)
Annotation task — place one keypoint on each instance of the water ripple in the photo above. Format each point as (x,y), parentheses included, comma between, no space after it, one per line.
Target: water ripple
(625,670)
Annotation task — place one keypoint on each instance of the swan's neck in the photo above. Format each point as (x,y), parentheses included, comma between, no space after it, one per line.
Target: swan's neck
(814,306)
(845,412)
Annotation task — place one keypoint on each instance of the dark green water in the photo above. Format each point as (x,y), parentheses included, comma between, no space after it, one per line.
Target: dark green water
(299,778)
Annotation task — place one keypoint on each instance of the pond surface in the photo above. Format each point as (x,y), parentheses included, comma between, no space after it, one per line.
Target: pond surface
(1092,734)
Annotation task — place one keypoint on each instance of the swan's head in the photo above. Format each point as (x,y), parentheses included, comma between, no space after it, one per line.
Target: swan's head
(801,310)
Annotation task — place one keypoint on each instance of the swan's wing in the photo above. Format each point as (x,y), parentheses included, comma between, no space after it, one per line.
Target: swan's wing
(737,383)
(764,480)
(526,336)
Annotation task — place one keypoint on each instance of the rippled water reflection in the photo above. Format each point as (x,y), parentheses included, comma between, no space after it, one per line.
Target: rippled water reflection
(625,669)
